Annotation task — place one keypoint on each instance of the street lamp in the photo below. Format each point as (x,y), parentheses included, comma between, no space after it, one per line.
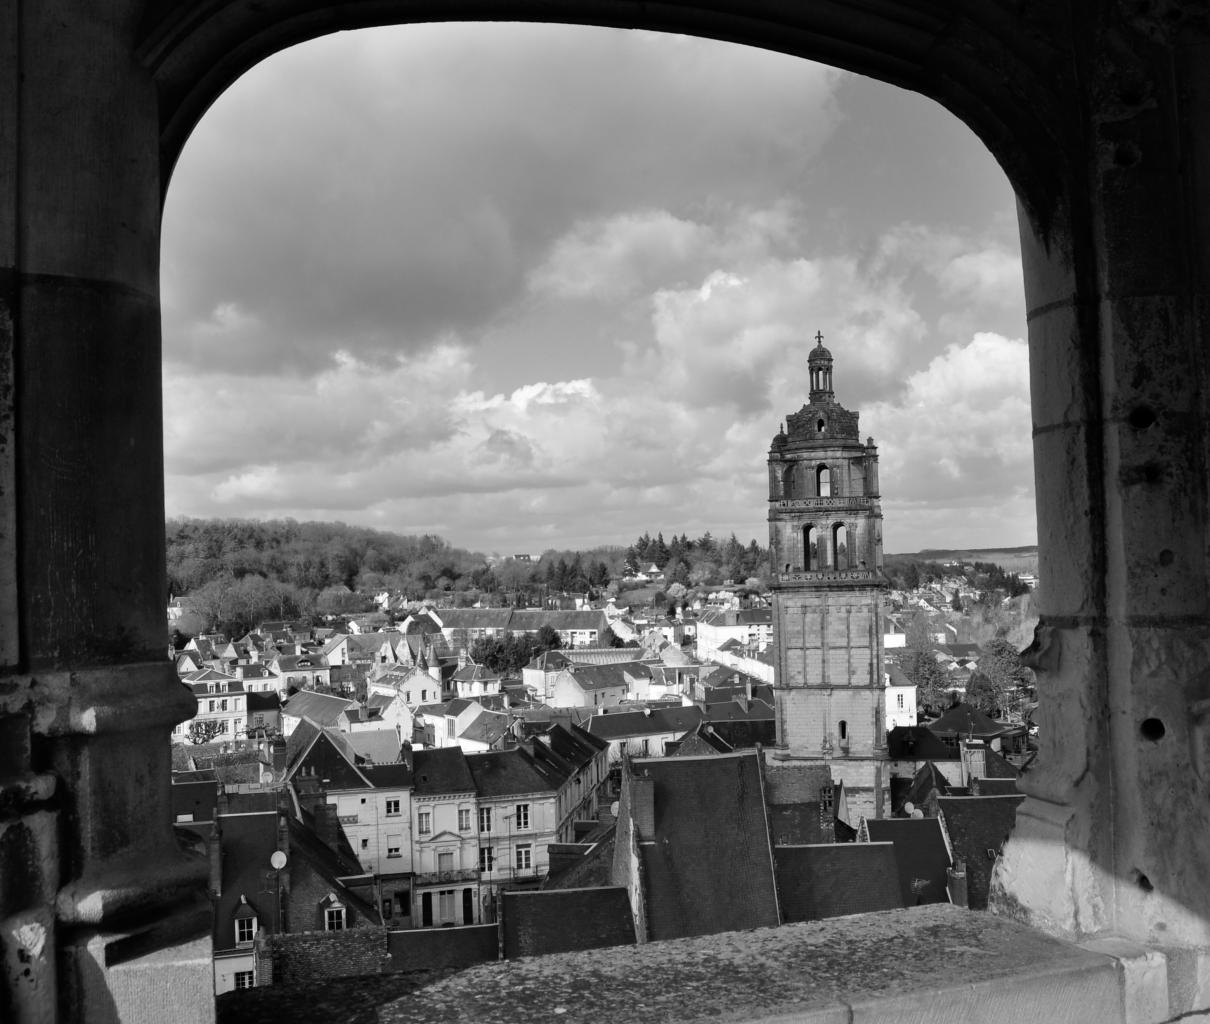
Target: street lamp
(278,861)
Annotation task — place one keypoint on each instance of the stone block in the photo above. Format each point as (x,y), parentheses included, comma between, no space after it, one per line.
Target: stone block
(1068,479)
(1143,974)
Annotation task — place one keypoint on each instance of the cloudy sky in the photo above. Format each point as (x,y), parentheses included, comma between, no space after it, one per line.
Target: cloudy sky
(543,286)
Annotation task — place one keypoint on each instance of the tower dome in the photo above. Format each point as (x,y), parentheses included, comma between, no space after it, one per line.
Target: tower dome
(819,363)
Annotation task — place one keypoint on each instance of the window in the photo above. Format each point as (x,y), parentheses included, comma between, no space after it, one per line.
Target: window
(394,846)
(245,979)
(365,844)
(388,908)
(487,858)
(334,919)
(449,727)
(524,857)
(445,905)
(445,862)
(899,700)
(392,807)
(522,817)
(485,819)
(245,929)
(464,819)
(424,821)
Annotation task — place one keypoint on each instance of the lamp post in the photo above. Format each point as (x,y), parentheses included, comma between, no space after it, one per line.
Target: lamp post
(278,860)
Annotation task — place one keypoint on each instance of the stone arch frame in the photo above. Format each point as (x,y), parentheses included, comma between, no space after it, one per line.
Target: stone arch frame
(1096,111)
(812,555)
(788,475)
(834,540)
(824,478)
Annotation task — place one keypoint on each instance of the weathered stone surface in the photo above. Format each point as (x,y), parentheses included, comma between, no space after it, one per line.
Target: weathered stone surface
(876,967)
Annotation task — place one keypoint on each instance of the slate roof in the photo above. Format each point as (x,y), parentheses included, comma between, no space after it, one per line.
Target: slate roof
(977,827)
(475,673)
(381,746)
(598,677)
(532,620)
(740,710)
(617,725)
(475,618)
(708,818)
(964,720)
(441,771)
(321,708)
(290,662)
(724,692)
(266,700)
(486,727)
(920,853)
(248,840)
(737,617)
(192,795)
(927,779)
(834,879)
(918,743)
(503,773)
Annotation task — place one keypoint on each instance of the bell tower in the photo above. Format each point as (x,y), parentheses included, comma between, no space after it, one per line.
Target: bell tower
(825,543)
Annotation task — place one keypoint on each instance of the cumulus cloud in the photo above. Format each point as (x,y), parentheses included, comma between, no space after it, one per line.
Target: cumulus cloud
(447,280)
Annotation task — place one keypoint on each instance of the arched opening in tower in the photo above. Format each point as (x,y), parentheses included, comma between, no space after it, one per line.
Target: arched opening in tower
(823,482)
(840,546)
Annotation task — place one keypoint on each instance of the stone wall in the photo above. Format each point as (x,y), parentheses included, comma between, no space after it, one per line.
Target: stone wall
(422,949)
(304,957)
(564,920)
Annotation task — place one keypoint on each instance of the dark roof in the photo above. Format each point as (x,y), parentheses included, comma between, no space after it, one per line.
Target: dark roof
(708,819)
(193,795)
(248,840)
(918,743)
(928,779)
(267,701)
(475,618)
(977,827)
(621,724)
(834,879)
(920,853)
(964,720)
(319,707)
(532,621)
(598,677)
(513,772)
(440,771)
(740,710)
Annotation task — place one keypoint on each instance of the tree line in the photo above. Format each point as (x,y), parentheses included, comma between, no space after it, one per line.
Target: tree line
(238,572)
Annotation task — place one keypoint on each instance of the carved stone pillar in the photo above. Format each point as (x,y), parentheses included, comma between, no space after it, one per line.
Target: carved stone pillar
(1112,837)
(93,890)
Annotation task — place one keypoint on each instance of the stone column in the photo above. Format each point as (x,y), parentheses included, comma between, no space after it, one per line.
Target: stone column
(96,903)
(1112,836)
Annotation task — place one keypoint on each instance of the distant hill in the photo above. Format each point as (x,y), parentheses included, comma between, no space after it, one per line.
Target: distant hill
(1014,560)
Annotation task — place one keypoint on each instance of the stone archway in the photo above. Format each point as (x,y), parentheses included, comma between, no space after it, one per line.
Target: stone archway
(1098,114)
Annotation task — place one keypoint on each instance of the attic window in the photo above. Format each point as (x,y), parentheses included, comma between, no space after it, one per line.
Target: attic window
(819,425)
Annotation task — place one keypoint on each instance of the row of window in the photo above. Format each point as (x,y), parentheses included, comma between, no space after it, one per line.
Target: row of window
(523,857)
(518,821)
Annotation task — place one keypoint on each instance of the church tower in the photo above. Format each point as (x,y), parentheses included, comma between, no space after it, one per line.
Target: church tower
(825,542)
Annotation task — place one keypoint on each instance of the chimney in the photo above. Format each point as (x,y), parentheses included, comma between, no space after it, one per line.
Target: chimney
(214,850)
(748,691)
(363,712)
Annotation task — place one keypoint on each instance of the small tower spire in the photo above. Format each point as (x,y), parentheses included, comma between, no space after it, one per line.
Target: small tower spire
(819,364)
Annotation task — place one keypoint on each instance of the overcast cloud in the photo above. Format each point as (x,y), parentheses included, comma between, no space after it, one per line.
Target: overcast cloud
(533,286)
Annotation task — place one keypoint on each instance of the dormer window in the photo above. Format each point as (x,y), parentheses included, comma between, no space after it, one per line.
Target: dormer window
(245,923)
(333,913)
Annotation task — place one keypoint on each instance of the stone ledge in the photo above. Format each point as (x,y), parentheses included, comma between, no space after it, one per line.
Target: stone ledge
(931,964)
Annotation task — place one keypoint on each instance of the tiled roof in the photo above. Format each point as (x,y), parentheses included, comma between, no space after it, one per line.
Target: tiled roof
(920,854)
(487,727)
(928,779)
(622,724)
(964,720)
(533,620)
(475,618)
(502,773)
(472,673)
(597,677)
(441,771)
(834,879)
(740,711)
(918,743)
(319,707)
(977,827)
(266,701)
(708,820)
(381,746)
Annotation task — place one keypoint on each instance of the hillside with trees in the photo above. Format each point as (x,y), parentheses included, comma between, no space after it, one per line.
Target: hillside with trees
(239,572)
